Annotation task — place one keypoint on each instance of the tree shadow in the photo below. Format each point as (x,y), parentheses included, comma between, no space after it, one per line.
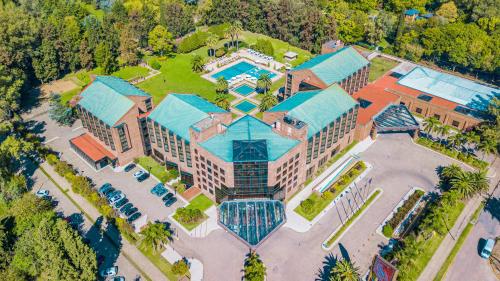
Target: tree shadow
(344,253)
(324,272)
(106,243)
(31,99)
(493,207)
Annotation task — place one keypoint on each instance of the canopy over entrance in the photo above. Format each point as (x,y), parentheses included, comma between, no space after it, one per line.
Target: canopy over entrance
(395,118)
(251,221)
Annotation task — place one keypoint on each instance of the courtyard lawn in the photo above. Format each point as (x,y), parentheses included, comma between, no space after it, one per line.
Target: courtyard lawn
(66,96)
(200,202)
(131,72)
(156,169)
(177,77)
(379,66)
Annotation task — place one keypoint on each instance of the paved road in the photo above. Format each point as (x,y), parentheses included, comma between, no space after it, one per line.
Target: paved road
(100,243)
(468,265)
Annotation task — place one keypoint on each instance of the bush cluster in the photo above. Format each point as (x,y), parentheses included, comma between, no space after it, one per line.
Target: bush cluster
(264,46)
(180,267)
(464,157)
(307,205)
(188,215)
(84,186)
(155,64)
(348,177)
(193,42)
(219,30)
(401,213)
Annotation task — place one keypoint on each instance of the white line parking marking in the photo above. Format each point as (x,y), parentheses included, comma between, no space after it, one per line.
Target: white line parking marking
(51,140)
(77,128)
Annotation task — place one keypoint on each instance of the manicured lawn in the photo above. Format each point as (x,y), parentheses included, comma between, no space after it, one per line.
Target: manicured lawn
(460,241)
(352,218)
(156,169)
(200,202)
(320,202)
(177,77)
(379,66)
(66,96)
(131,72)
(161,263)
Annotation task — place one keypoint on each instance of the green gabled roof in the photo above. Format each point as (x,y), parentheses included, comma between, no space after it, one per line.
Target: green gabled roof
(107,98)
(248,128)
(317,108)
(178,112)
(335,67)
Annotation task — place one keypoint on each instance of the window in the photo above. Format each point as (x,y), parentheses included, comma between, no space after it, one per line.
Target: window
(330,135)
(316,145)
(455,123)
(278,170)
(209,163)
(222,172)
(297,156)
(148,104)
(418,110)
(216,167)
(157,133)
(150,130)
(424,97)
(165,139)
(309,150)
(187,148)
(179,148)
(123,138)
(323,139)
(172,143)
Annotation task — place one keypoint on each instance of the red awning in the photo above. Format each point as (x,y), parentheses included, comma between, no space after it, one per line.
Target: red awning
(92,148)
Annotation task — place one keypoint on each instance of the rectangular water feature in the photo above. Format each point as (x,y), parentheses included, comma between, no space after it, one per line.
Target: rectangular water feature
(244,90)
(245,106)
(243,68)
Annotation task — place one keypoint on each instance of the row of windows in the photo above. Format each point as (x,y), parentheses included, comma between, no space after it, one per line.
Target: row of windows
(96,127)
(170,142)
(454,123)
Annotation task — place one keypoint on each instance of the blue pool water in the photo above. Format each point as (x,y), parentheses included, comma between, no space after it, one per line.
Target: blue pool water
(242,68)
(245,106)
(244,90)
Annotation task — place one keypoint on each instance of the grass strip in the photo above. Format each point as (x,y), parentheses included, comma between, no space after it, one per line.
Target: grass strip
(458,245)
(93,221)
(343,228)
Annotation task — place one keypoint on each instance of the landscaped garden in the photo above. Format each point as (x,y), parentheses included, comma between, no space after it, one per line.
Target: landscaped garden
(156,169)
(379,66)
(401,213)
(315,203)
(464,157)
(193,214)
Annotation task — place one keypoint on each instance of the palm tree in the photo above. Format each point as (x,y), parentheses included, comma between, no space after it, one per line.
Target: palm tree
(155,235)
(344,270)
(211,42)
(264,82)
(222,86)
(447,174)
(457,140)
(487,147)
(443,130)
(254,268)
(430,125)
(197,64)
(237,29)
(471,138)
(222,101)
(268,100)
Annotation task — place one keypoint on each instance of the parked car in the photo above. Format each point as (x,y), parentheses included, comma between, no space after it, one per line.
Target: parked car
(109,272)
(104,187)
(129,167)
(487,248)
(159,190)
(42,193)
(120,203)
(134,217)
(170,201)
(143,177)
(113,193)
(130,211)
(139,173)
(168,196)
(116,198)
(126,207)
(108,191)
(118,278)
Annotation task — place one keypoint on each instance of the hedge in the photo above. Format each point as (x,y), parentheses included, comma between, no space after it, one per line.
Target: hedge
(193,42)
(401,213)
(219,30)
(264,46)
(453,153)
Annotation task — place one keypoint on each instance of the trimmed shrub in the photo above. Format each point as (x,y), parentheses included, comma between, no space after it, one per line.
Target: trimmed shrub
(193,42)
(180,267)
(387,230)
(264,46)
(307,205)
(155,64)
(187,215)
(52,159)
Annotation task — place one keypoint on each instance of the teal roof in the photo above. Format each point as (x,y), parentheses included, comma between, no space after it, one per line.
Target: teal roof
(335,67)
(453,88)
(178,112)
(317,108)
(107,98)
(248,128)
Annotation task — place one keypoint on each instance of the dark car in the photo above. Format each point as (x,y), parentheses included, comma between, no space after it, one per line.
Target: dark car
(142,177)
(168,196)
(129,167)
(130,211)
(121,203)
(134,217)
(159,190)
(126,207)
(104,187)
(108,191)
(170,201)
(112,194)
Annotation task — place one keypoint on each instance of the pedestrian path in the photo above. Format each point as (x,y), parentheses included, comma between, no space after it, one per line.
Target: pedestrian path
(130,251)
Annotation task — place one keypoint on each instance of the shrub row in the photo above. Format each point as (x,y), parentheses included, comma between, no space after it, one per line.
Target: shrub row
(464,157)
(347,178)
(401,213)
(84,186)
(193,42)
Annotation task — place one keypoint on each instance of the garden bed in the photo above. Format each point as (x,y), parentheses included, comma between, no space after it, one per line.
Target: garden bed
(401,213)
(316,202)
(453,153)
(193,214)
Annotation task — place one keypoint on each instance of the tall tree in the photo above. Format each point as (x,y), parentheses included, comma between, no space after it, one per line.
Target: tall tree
(197,63)
(264,83)
(222,101)
(129,45)
(268,100)
(430,125)
(345,270)
(211,43)
(222,87)
(106,58)
(46,62)
(160,40)
(155,235)
(177,17)
(254,269)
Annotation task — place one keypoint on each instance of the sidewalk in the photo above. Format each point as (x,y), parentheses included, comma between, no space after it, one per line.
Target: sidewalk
(130,251)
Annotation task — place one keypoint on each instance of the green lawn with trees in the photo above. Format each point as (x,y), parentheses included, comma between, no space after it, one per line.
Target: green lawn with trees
(156,169)
(193,214)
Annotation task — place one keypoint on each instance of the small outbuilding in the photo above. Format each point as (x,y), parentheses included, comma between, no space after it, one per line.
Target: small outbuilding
(289,56)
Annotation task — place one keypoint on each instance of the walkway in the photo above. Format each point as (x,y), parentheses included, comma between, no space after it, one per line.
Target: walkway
(130,251)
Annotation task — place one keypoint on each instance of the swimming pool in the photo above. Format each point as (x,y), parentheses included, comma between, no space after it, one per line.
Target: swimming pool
(242,68)
(245,106)
(244,90)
